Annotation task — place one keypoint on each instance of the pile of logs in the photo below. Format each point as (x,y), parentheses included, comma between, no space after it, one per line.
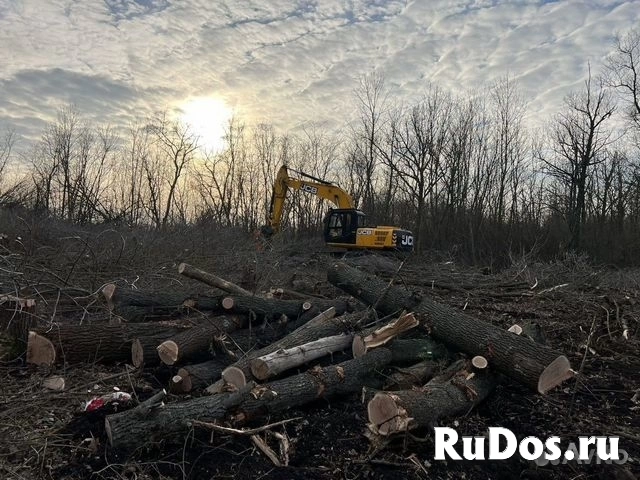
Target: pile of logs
(244,356)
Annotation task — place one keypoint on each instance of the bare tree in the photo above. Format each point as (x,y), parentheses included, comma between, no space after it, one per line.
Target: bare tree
(509,146)
(579,139)
(371,96)
(420,143)
(6,146)
(175,148)
(623,72)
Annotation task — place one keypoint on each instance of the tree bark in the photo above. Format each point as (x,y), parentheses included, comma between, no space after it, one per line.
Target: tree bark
(17,318)
(193,344)
(139,306)
(270,365)
(272,308)
(341,379)
(408,377)
(400,411)
(137,427)
(534,365)
(90,343)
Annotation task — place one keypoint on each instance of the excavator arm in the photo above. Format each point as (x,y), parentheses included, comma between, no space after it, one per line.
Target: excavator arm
(314,186)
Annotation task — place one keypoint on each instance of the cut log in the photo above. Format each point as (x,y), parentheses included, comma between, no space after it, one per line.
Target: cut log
(408,377)
(344,378)
(134,428)
(211,279)
(457,390)
(517,329)
(534,365)
(144,350)
(193,345)
(321,326)
(138,306)
(130,429)
(90,343)
(197,376)
(280,361)
(395,412)
(383,335)
(272,308)
(284,293)
(17,317)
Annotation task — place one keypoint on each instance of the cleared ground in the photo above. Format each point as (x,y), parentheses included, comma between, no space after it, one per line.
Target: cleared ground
(582,310)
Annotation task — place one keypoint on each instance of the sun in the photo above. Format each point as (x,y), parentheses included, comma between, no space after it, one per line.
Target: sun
(207,117)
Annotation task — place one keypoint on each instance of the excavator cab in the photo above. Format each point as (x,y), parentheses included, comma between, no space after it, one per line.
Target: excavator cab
(341,225)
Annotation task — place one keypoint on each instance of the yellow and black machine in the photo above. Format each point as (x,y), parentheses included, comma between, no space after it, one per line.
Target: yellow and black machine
(345,227)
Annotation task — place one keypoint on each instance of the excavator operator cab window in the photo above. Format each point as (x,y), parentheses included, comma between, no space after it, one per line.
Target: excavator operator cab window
(341,226)
(335,225)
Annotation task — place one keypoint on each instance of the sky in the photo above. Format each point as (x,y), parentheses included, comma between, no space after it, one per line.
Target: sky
(288,63)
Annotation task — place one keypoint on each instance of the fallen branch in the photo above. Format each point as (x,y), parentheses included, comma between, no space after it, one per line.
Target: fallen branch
(211,279)
(245,431)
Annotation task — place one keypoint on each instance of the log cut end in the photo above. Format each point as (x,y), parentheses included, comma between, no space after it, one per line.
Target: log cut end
(386,417)
(40,350)
(479,362)
(178,384)
(137,353)
(182,267)
(260,369)
(556,372)
(517,329)
(186,382)
(234,376)
(168,352)
(227,303)
(107,429)
(55,383)
(358,347)
(109,292)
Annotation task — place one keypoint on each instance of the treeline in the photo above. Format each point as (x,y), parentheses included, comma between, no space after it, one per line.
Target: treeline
(464,172)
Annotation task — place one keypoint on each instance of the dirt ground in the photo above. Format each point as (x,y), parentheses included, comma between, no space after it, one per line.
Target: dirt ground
(582,310)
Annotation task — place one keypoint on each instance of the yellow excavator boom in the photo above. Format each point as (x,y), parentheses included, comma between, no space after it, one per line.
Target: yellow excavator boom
(314,186)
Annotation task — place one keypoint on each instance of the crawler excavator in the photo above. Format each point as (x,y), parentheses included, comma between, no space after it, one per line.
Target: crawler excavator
(345,227)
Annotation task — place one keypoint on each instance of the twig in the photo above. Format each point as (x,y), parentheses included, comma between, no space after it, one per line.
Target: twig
(547,290)
(235,431)
(110,377)
(264,448)
(584,359)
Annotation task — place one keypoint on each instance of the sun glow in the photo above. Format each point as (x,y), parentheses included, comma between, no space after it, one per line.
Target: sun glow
(207,117)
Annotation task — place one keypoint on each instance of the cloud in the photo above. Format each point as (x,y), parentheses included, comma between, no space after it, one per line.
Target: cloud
(289,62)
